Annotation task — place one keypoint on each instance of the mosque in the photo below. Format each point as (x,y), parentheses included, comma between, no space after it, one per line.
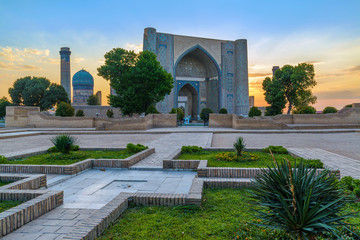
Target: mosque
(82,81)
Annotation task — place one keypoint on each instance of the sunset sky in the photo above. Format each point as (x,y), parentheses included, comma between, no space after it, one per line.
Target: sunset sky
(325,33)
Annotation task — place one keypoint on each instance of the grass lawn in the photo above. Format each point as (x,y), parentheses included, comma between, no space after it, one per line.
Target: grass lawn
(264,160)
(4,183)
(5,205)
(66,159)
(224,214)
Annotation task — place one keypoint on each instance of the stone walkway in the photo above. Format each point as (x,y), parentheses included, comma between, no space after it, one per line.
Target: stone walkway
(347,166)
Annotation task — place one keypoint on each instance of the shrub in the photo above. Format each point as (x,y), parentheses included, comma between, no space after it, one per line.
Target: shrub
(132,148)
(312,163)
(64,143)
(349,106)
(54,149)
(357,191)
(298,201)
(254,111)
(239,146)
(204,114)
(3,160)
(151,110)
(275,149)
(179,112)
(110,113)
(223,111)
(79,113)
(350,184)
(191,149)
(329,110)
(305,110)
(64,110)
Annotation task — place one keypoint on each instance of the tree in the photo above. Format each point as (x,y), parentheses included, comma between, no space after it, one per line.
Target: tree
(79,113)
(151,110)
(305,110)
(223,111)
(204,114)
(93,100)
(37,91)
(292,84)
(64,110)
(138,80)
(3,103)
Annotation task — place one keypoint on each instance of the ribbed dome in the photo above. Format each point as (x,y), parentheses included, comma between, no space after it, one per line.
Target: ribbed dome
(82,77)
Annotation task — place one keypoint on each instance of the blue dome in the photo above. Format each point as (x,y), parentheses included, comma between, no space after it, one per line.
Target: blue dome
(82,77)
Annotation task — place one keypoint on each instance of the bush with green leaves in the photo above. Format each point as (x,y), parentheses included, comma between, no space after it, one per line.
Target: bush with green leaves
(132,148)
(79,113)
(349,106)
(223,111)
(54,149)
(275,149)
(239,146)
(110,113)
(64,143)
(350,184)
(254,111)
(151,110)
(305,110)
(204,114)
(299,201)
(64,110)
(191,149)
(179,112)
(329,110)
(3,159)
(312,163)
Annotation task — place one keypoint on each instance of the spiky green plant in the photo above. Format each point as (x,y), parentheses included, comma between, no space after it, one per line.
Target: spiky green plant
(239,146)
(64,143)
(299,201)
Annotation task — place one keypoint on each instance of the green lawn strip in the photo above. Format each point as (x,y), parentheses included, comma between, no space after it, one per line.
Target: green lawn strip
(66,159)
(264,160)
(4,183)
(225,214)
(5,205)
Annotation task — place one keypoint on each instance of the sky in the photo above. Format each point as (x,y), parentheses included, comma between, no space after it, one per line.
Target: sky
(325,33)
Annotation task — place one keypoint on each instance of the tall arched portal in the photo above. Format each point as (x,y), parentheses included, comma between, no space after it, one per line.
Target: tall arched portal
(196,71)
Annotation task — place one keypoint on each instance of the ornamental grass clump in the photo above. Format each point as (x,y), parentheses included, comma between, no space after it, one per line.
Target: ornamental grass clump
(239,146)
(299,201)
(64,143)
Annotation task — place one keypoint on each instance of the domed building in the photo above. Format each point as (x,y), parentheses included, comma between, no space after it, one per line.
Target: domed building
(83,87)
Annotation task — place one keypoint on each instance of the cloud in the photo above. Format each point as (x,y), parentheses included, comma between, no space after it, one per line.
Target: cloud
(136,47)
(18,55)
(77,60)
(314,62)
(341,94)
(341,73)
(19,67)
(256,75)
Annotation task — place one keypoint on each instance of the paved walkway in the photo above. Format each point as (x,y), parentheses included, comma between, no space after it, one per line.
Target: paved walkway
(347,166)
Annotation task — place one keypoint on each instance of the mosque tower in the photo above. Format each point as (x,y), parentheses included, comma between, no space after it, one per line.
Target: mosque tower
(65,70)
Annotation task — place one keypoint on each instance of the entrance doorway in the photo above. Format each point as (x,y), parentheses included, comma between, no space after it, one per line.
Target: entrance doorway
(188,98)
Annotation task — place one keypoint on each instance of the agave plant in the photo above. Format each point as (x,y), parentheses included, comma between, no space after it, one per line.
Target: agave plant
(64,143)
(300,201)
(239,146)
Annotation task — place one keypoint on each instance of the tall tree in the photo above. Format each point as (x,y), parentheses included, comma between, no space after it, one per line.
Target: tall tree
(37,91)
(93,100)
(138,80)
(293,83)
(3,103)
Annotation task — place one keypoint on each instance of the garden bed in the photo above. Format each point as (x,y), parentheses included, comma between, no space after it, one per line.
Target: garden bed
(67,159)
(5,205)
(224,215)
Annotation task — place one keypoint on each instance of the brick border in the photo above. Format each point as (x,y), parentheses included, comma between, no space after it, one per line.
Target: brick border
(218,172)
(76,167)
(37,202)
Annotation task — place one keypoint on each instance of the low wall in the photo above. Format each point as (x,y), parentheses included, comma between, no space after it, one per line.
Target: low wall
(221,120)
(91,111)
(19,116)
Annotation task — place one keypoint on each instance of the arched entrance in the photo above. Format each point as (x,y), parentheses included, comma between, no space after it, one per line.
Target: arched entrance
(188,98)
(197,81)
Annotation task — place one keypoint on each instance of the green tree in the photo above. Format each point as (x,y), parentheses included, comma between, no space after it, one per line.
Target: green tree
(37,91)
(151,110)
(64,110)
(110,113)
(138,80)
(93,100)
(204,114)
(329,110)
(80,113)
(223,111)
(3,103)
(305,110)
(292,83)
(254,111)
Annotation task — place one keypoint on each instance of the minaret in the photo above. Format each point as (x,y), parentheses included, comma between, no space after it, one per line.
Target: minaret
(65,70)
(274,69)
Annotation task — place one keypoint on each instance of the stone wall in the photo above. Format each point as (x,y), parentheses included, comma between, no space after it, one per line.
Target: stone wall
(90,111)
(18,116)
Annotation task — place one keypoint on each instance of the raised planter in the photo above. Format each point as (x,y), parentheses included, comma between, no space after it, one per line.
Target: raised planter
(79,166)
